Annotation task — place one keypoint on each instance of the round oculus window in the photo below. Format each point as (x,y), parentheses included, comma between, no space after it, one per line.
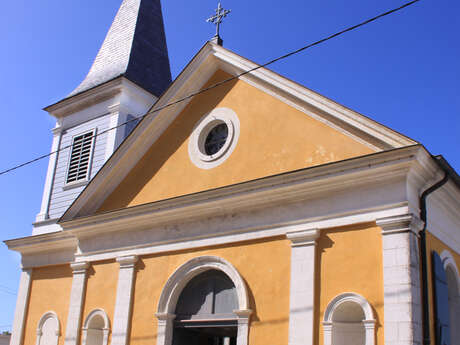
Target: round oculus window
(214,138)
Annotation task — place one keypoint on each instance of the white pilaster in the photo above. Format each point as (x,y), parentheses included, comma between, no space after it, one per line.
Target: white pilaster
(243,326)
(302,294)
(122,317)
(114,137)
(165,328)
(57,135)
(80,270)
(401,280)
(21,307)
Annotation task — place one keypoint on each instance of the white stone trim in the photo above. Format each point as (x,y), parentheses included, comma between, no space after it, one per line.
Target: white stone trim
(201,131)
(368,322)
(52,164)
(177,282)
(401,280)
(302,286)
(80,270)
(22,304)
(118,113)
(124,300)
(448,261)
(105,330)
(41,322)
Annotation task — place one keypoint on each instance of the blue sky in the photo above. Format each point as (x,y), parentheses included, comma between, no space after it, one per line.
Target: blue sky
(402,71)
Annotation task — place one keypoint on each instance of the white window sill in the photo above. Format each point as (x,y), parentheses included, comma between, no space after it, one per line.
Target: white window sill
(75,184)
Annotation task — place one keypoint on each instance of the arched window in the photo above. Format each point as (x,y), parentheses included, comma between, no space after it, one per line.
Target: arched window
(49,329)
(204,301)
(96,328)
(453,295)
(349,320)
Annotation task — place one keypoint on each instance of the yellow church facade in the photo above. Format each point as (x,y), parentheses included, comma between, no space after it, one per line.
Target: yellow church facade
(256,212)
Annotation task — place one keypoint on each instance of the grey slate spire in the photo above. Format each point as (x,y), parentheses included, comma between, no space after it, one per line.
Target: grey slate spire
(135,47)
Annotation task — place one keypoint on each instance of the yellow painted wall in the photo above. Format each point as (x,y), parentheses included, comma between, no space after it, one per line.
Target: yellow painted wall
(274,138)
(433,243)
(101,289)
(50,291)
(350,260)
(265,267)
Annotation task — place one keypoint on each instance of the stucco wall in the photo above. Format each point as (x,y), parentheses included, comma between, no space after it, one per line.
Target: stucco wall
(101,289)
(50,291)
(265,267)
(274,138)
(350,260)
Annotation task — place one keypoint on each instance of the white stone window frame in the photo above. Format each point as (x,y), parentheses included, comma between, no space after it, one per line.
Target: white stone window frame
(48,315)
(82,182)
(369,321)
(178,281)
(448,262)
(105,330)
(201,131)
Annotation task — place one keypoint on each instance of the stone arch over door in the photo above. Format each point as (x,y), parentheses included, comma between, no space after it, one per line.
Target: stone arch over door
(49,329)
(179,280)
(96,328)
(453,287)
(349,319)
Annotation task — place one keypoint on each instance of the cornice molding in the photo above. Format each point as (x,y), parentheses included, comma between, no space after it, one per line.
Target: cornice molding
(95,95)
(400,224)
(55,241)
(289,187)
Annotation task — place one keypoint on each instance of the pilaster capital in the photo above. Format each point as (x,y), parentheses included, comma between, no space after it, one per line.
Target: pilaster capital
(303,237)
(79,267)
(57,130)
(400,224)
(127,261)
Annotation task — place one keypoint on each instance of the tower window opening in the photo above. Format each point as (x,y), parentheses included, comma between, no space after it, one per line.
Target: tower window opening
(80,157)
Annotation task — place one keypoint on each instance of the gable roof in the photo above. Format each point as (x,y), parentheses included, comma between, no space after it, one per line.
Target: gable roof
(209,59)
(135,47)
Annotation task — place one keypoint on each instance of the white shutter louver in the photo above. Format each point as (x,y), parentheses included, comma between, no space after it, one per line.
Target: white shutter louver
(80,157)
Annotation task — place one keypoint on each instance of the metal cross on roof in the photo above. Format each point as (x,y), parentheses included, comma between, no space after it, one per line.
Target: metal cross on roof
(218,17)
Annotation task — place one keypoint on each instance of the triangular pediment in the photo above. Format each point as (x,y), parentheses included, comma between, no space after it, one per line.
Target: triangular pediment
(279,126)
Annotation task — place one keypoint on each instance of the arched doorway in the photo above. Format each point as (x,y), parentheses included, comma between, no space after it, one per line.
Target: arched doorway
(204,311)
(209,297)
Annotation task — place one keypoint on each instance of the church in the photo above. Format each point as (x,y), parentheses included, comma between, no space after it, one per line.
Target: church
(231,206)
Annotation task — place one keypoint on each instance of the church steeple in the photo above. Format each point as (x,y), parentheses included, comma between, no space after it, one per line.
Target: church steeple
(135,47)
(130,72)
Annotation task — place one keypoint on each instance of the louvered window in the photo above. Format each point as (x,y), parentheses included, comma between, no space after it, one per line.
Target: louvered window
(80,157)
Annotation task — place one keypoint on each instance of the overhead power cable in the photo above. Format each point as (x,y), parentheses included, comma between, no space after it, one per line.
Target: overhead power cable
(7,289)
(155,110)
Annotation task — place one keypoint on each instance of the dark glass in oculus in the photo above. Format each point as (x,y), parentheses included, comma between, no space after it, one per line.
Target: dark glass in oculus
(216,139)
